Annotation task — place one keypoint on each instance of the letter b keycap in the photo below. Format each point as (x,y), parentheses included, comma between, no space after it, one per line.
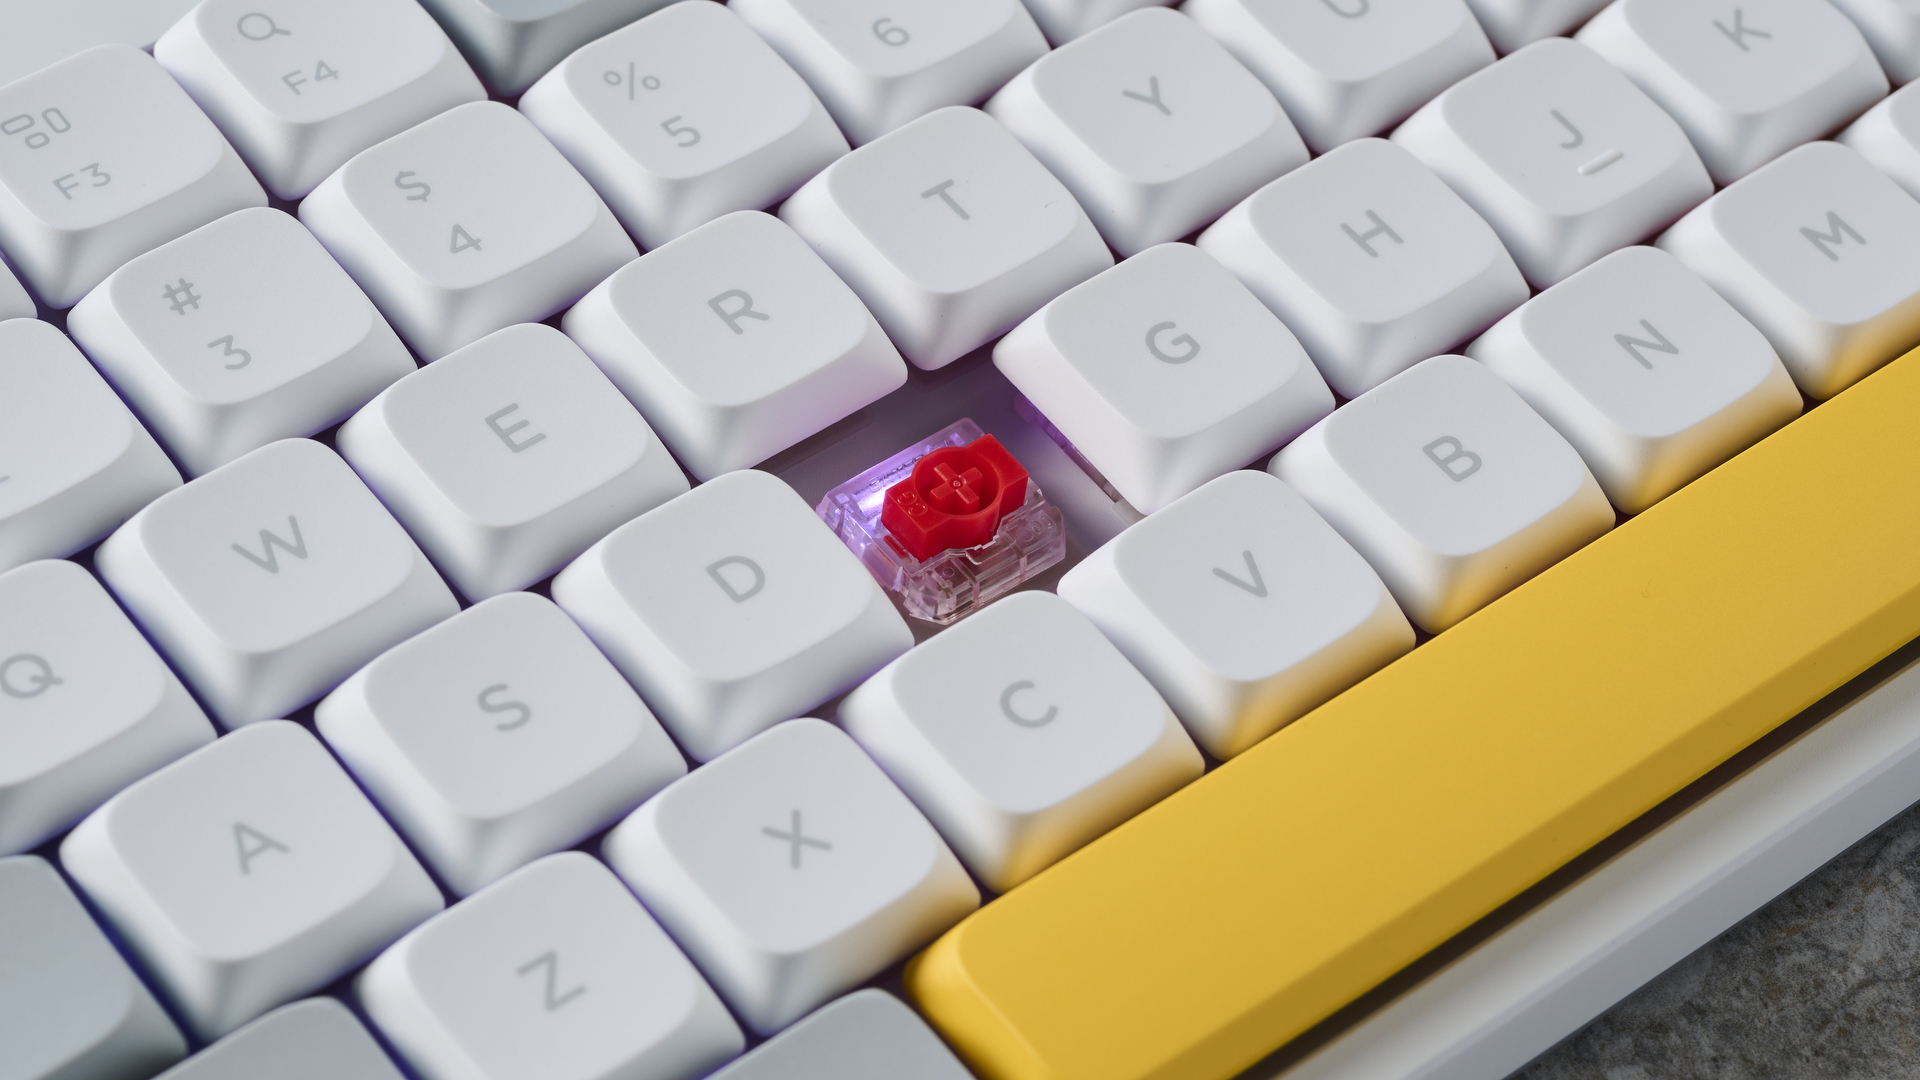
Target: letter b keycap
(1449,485)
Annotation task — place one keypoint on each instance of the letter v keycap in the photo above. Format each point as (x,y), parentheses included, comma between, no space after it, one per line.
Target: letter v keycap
(1186,943)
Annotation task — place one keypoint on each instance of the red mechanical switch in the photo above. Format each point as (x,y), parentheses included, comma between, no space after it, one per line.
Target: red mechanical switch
(954,498)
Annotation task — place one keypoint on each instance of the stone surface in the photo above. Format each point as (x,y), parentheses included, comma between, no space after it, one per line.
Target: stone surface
(1822,983)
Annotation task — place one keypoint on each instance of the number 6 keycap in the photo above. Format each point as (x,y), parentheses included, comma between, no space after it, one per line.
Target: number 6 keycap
(103,156)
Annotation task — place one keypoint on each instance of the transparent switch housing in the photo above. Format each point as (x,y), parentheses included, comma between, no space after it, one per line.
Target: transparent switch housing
(951,584)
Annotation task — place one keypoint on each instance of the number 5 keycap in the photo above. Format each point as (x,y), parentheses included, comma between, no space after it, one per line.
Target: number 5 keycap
(103,156)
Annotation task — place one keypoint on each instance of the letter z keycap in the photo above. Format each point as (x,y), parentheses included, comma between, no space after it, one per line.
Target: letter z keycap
(247,874)
(555,972)
(268,581)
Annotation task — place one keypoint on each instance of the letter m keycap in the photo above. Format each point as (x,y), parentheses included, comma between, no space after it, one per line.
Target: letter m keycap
(1837,232)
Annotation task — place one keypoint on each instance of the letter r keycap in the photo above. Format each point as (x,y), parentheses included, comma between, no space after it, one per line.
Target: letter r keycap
(269,580)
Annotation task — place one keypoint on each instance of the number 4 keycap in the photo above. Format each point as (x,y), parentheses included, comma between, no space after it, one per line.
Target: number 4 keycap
(463,225)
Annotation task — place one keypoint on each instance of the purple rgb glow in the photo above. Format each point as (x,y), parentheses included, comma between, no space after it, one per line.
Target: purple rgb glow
(959,581)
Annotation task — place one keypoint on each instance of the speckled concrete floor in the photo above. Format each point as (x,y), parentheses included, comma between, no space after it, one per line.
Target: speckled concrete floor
(1821,984)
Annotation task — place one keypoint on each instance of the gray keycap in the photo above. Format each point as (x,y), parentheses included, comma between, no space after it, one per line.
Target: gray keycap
(70,1007)
(315,1039)
(867,1035)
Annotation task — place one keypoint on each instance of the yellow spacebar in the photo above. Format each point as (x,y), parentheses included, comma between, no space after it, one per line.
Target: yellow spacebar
(1228,919)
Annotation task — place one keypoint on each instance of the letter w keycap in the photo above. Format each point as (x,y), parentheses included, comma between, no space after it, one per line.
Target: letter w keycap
(269,540)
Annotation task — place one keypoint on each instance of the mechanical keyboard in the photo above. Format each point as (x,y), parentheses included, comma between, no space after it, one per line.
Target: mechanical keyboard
(1019,539)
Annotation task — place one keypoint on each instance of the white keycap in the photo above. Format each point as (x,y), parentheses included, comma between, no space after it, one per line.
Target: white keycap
(14,301)
(1064,20)
(74,463)
(949,231)
(791,870)
(1152,126)
(103,156)
(1747,81)
(466,224)
(1450,485)
(1816,249)
(1564,157)
(73,1007)
(878,64)
(1645,370)
(512,42)
(736,341)
(247,874)
(731,609)
(1892,30)
(1346,69)
(867,1035)
(1241,606)
(682,117)
(86,708)
(1165,372)
(508,458)
(268,581)
(1511,24)
(240,333)
(496,737)
(1888,136)
(41,34)
(554,972)
(1050,739)
(1370,259)
(314,1039)
(300,86)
